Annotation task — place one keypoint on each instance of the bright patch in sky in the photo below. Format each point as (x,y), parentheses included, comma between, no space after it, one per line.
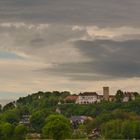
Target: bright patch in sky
(9,55)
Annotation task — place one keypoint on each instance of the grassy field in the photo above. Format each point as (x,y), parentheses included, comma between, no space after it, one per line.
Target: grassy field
(66,139)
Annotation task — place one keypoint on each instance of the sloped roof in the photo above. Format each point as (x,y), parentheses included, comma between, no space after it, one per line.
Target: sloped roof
(88,94)
(72,97)
(129,94)
(80,118)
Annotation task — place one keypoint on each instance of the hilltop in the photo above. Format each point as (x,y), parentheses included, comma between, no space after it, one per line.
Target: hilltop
(33,109)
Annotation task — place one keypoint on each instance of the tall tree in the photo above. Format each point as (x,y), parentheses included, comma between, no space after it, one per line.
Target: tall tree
(119,96)
(9,106)
(57,127)
(37,120)
(20,132)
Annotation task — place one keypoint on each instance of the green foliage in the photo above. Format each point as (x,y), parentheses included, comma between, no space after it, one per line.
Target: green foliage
(9,106)
(88,109)
(6,131)
(0,108)
(121,129)
(20,132)
(106,117)
(10,116)
(78,134)
(41,104)
(38,119)
(9,131)
(23,110)
(119,96)
(57,127)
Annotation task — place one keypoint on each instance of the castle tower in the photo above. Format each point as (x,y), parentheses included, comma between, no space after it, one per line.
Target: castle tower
(106,93)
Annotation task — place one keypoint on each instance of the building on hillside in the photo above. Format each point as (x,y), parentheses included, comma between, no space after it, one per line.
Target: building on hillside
(76,120)
(33,136)
(25,120)
(129,96)
(111,98)
(107,96)
(93,97)
(88,98)
(106,93)
(80,119)
(58,110)
(100,98)
(59,103)
(71,98)
(95,134)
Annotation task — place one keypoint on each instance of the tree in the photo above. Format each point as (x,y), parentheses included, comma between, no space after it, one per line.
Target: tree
(0,107)
(20,132)
(57,127)
(23,110)
(121,129)
(119,96)
(11,116)
(6,131)
(9,106)
(37,120)
(136,94)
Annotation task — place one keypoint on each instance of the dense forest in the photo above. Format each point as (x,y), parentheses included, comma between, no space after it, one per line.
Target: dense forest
(114,120)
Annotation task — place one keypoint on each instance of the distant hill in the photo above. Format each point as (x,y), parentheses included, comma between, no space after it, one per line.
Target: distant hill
(5,101)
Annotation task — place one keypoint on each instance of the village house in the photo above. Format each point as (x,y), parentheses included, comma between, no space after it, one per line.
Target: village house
(111,98)
(93,97)
(25,120)
(71,98)
(87,98)
(76,120)
(129,96)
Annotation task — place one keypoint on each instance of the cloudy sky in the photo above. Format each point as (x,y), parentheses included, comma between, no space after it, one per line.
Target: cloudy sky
(75,45)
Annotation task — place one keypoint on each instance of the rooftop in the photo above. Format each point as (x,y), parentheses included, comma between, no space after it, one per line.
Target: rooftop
(72,97)
(88,94)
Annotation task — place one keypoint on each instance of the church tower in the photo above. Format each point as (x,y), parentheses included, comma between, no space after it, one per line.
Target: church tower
(106,93)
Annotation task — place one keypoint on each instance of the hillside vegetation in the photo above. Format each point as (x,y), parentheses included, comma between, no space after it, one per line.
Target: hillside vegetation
(113,119)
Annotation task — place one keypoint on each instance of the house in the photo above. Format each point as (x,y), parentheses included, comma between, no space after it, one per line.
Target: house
(71,98)
(111,98)
(95,134)
(76,120)
(129,96)
(101,98)
(93,97)
(25,120)
(58,110)
(33,136)
(88,98)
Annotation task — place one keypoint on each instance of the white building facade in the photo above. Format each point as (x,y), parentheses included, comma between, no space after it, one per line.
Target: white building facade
(88,98)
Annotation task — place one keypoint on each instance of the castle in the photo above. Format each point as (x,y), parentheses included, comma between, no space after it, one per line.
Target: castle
(93,97)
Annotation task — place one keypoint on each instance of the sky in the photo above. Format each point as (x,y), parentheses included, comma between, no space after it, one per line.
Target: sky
(74,45)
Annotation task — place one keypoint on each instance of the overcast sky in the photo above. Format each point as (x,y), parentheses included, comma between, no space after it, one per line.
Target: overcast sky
(75,45)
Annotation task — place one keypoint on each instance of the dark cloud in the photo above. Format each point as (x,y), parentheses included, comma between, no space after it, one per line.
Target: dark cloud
(109,50)
(42,41)
(107,60)
(95,12)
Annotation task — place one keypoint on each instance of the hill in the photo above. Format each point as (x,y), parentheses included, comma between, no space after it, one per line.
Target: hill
(38,106)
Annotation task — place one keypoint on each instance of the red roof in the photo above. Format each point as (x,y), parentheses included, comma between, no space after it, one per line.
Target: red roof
(72,97)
